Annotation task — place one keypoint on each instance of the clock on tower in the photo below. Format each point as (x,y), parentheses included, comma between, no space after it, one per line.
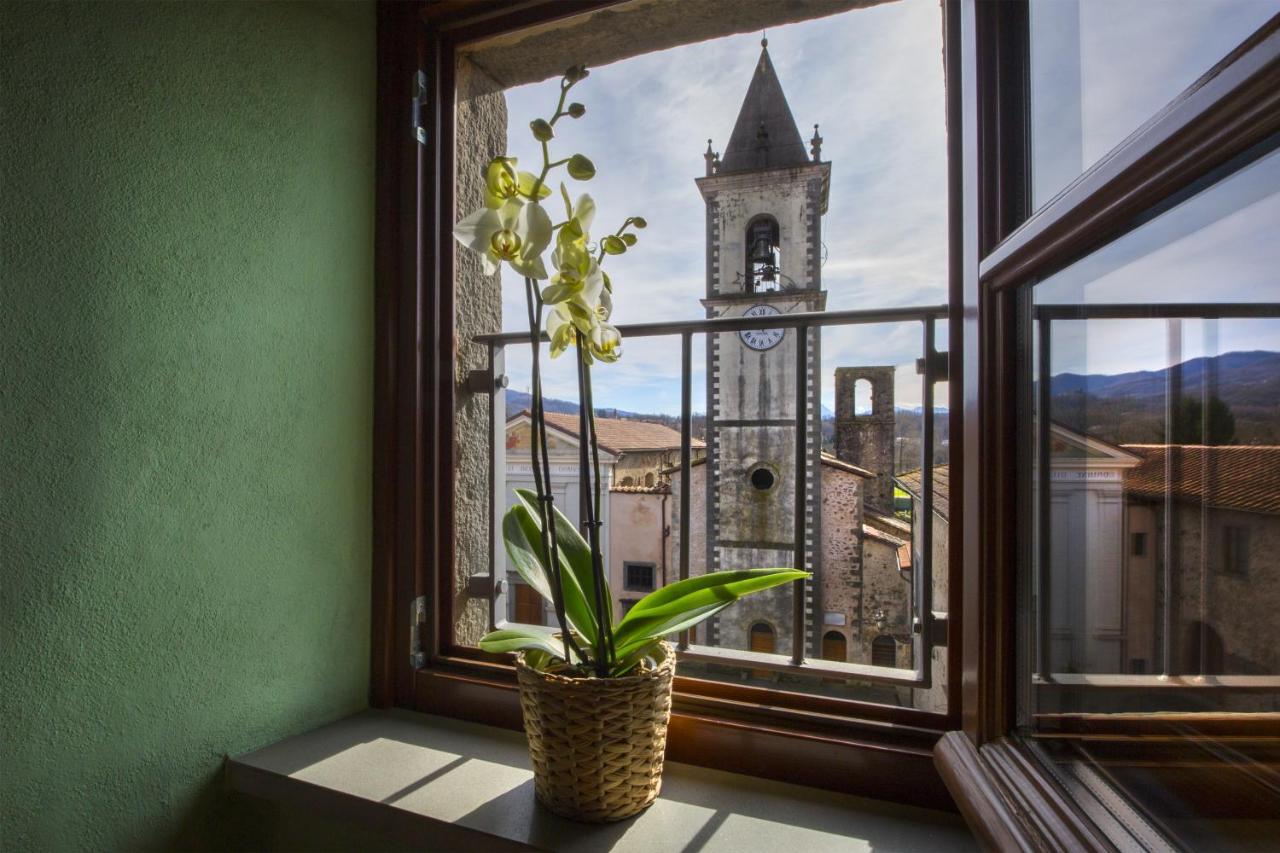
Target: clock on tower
(764,200)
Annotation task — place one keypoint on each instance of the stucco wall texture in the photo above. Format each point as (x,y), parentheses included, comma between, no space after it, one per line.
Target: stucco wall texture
(187,221)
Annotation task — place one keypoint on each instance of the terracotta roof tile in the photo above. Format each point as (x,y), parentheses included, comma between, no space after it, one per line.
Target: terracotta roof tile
(913,481)
(618,435)
(1233,477)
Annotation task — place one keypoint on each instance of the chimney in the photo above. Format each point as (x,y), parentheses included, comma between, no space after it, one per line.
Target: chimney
(866,440)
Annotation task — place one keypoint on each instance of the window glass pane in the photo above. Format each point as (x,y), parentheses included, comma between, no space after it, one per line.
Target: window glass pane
(1152,438)
(1100,68)
(776,218)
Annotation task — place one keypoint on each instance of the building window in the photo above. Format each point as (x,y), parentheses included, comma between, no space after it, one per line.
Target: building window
(884,651)
(1235,550)
(627,604)
(648,479)
(1138,544)
(834,646)
(762,255)
(638,576)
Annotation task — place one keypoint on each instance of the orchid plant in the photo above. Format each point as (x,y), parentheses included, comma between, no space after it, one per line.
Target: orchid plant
(544,547)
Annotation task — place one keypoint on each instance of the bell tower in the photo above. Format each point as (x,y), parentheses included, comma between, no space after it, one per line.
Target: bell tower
(764,199)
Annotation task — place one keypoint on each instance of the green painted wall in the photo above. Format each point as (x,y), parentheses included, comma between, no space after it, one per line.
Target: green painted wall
(186,323)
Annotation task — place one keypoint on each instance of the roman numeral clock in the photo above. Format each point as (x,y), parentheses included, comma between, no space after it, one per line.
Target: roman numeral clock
(761,339)
(764,200)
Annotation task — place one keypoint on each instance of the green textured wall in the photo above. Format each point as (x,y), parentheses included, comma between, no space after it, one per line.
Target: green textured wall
(186,323)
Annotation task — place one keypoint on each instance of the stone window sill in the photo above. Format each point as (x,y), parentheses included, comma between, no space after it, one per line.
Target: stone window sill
(443,783)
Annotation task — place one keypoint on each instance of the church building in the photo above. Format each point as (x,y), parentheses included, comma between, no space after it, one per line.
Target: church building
(765,198)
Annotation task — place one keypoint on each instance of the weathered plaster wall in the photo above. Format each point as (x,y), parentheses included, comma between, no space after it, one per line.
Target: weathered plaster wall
(482,135)
(187,232)
(636,523)
(842,556)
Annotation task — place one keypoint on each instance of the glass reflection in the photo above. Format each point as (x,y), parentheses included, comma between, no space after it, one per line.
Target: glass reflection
(1081,49)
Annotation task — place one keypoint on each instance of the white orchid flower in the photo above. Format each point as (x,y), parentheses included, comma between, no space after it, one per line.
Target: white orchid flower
(518,232)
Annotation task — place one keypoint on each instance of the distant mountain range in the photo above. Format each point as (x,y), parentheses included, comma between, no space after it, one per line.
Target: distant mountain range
(1243,378)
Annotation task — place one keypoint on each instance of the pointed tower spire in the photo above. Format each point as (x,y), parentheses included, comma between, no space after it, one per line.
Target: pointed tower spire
(765,135)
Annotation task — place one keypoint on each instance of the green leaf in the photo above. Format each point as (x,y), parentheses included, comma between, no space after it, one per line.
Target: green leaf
(581,168)
(523,637)
(687,602)
(575,558)
(524,552)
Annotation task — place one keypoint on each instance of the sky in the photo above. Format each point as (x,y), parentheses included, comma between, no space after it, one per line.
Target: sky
(873,79)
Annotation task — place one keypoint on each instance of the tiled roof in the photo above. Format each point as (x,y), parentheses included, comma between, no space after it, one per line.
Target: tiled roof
(890,524)
(1243,477)
(1233,477)
(618,435)
(913,481)
(877,533)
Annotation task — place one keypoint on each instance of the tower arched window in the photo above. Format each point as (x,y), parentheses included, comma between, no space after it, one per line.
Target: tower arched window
(763,255)
(884,651)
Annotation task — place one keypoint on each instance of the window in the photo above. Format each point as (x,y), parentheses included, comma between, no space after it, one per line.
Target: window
(450,460)
(762,255)
(639,576)
(1138,544)
(1235,550)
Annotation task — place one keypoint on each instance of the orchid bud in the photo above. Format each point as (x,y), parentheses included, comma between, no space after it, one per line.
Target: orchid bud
(638,221)
(577,110)
(576,74)
(541,130)
(580,168)
(629,239)
(613,245)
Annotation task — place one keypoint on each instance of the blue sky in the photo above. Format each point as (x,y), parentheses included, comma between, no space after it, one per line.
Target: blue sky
(872,79)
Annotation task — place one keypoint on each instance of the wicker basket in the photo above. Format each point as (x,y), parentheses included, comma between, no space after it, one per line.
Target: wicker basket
(597,744)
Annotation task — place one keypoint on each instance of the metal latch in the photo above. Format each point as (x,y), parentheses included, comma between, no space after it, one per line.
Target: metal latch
(419,98)
(937,364)
(484,382)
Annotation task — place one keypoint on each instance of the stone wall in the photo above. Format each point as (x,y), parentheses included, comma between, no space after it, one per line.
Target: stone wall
(841,545)
(867,440)
(636,536)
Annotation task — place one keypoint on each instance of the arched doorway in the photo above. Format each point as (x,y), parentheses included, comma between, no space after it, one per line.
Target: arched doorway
(884,651)
(835,646)
(761,640)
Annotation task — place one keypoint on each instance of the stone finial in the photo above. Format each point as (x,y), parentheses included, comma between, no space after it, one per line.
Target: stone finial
(712,159)
(764,39)
(815,145)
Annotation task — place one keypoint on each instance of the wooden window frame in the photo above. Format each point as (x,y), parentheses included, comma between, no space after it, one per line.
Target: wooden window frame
(1009,797)
(851,746)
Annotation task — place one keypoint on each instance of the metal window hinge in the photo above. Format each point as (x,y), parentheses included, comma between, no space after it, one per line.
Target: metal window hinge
(417,620)
(484,382)
(937,629)
(482,586)
(419,98)
(937,364)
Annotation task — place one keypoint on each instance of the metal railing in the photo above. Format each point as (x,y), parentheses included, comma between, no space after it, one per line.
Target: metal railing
(1044,317)
(928,627)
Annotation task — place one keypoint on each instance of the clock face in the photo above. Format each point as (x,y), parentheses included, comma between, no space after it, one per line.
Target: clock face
(761,339)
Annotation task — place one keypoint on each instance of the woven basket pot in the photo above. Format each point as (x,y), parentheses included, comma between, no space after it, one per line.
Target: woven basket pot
(597,744)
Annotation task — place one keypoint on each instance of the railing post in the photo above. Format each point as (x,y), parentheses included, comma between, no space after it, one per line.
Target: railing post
(497,482)
(1043,574)
(1172,403)
(686,462)
(801,483)
(924,580)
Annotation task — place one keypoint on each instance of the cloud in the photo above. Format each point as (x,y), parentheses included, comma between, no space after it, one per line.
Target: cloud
(872,78)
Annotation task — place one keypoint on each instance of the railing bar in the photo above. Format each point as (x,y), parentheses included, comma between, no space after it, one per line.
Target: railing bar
(1044,613)
(1172,404)
(497,481)
(686,462)
(1158,311)
(810,668)
(924,579)
(738,324)
(801,484)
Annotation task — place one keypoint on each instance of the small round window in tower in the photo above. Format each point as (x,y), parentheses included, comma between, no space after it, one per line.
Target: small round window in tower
(763,478)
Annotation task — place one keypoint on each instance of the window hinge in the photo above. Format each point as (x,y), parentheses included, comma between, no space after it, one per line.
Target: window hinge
(937,364)
(484,382)
(419,98)
(417,623)
(482,586)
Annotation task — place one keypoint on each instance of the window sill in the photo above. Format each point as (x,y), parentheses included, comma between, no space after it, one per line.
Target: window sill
(460,785)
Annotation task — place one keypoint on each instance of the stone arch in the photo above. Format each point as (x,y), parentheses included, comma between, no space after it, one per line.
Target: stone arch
(863,397)
(763,240)
(648,479)
(762,637)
